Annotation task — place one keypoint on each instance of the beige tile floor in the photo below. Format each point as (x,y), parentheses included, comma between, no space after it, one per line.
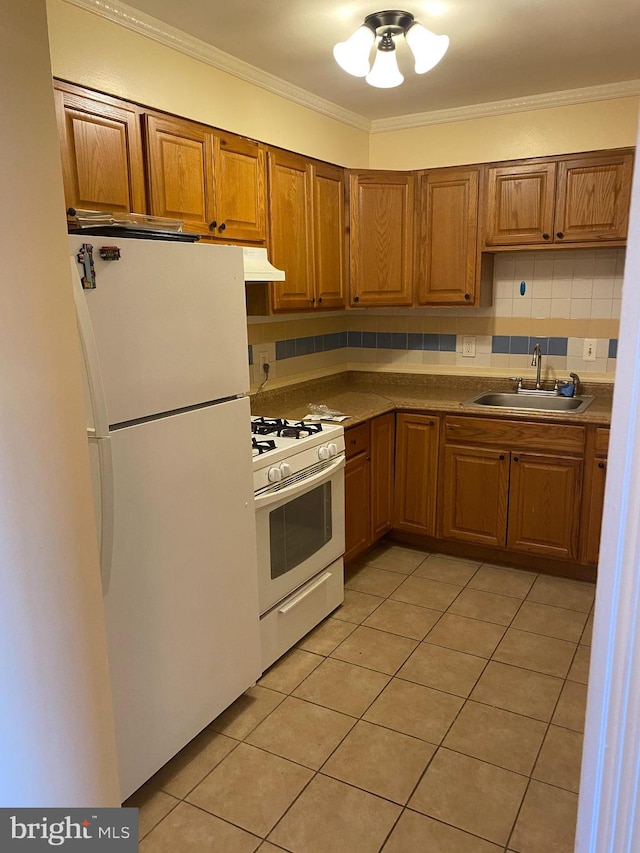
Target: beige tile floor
(439,710)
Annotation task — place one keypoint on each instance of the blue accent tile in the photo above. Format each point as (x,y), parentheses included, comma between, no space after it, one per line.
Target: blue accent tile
(290,348)
(319,343)
(544,344)
(343,340)
(332,341)
(354,339)
(432,342)
(281,350)
(613,347)
(447,343)
(500,343)
(250,354)
(519,345)
(399,340)
(304,346)
(416,341)
(369,340)
(558,346)
(384,340)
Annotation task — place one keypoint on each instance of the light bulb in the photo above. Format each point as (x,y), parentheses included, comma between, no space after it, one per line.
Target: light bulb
(427,48)
(352,55)
(385,73)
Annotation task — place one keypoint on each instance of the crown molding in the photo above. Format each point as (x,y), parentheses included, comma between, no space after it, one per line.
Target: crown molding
(608,91)
(151,28)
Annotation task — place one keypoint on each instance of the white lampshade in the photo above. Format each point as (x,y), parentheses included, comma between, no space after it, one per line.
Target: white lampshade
(385,73)
(353,54)
(427,48)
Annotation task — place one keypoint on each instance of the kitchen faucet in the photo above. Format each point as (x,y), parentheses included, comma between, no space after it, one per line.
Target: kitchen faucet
(536,361)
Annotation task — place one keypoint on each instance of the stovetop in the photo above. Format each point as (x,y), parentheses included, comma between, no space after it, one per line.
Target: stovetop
(300,443)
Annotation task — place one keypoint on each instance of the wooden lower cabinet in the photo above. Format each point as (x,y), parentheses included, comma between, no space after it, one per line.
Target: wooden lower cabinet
(544,505)
(417,438)
(475,495)
(368,483)
(595,477)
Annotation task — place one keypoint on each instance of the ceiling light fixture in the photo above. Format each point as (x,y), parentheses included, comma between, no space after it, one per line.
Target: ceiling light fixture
(353,54)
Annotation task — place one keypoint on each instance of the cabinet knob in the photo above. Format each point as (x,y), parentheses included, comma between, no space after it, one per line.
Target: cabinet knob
(353,441)
(356,299)
(432,423)
(212,225)
(467,296)
(312,300)
(515,458)
(222,226)
(560,235)
(601,465)
(545,236)
(501,457)
(368,458)
(319,299)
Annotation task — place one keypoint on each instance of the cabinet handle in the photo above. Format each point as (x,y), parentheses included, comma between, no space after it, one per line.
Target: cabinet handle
(601,465)
(212,225)
(501,457)
(467,296)
(312,300)
(319,299)
(356,299)
(367,458)
(559,235)
(545,236)
(222,226)
(353,441)
(515,458)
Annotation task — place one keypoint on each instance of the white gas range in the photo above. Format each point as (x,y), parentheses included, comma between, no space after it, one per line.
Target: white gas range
(298,473)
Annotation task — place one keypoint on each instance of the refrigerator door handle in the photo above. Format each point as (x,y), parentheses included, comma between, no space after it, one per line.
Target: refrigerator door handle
(90,353)
(106,511)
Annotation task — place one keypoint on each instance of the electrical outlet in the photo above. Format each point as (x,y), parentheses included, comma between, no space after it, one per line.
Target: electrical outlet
(589,349)
(469,346)
(263,358)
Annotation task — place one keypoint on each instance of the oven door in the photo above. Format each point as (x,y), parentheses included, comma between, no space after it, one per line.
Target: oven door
(300,529)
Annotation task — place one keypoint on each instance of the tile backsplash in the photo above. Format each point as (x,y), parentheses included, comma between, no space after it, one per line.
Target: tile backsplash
(557,299)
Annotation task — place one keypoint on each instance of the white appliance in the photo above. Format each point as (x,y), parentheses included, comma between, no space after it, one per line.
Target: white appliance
(165,348)
(298,475)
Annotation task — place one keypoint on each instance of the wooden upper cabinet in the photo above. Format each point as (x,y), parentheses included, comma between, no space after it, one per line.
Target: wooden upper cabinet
(381,238)
(329,251)
(239,188)
(291,239)
(179,162)
(448,229)
(520,204)
(593,197)
(101,150)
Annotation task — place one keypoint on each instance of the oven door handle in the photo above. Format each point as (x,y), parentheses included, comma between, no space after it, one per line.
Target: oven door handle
(299,487)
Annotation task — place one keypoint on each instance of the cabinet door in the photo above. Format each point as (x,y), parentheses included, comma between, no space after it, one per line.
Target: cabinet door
(448,237)
(290,230)
(382,474)
(593,198)
(381,238)
(475,495)
(357,534)
(179,158)
(596,506)
(101,149)
(416,473)
(239,188)
(329,236)
(544,505)
(520,204)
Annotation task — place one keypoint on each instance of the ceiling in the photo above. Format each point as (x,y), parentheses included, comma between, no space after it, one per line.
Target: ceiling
(500,49)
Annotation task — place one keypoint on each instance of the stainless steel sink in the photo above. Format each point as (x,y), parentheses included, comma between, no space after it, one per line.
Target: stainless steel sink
(543,403)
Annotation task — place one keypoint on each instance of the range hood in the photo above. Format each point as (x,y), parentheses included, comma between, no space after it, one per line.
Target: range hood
(257,266)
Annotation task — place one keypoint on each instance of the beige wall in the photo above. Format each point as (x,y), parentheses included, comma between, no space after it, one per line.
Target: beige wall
(559,130)
(91,51)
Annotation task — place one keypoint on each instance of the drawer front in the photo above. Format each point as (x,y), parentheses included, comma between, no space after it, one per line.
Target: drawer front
(356,440)
(602,442)
(559,438)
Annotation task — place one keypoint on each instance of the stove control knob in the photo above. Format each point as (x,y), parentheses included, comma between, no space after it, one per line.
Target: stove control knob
(333,449)
(285,469)
(323,453)
(274,475)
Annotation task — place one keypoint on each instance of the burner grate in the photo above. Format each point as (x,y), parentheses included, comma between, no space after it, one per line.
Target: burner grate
(260,447)
(283,428)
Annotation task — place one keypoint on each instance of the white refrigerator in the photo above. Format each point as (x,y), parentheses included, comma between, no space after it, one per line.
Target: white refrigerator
(164,340)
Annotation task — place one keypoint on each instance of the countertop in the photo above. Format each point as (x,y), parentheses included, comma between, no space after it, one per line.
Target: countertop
(363,395)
